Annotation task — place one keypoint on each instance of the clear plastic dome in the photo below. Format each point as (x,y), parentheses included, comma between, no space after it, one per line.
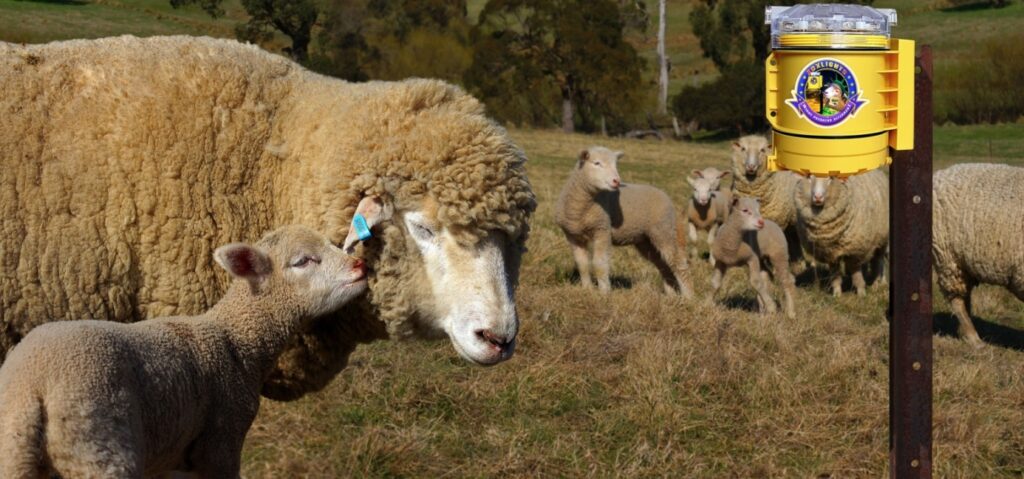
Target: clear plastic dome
(836,26)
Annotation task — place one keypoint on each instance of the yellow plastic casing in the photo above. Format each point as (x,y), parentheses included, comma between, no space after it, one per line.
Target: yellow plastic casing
(885,78)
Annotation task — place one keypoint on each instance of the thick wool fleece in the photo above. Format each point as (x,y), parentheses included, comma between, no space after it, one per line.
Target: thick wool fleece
(106,399)
(977,227)
(853,225)
(124,161)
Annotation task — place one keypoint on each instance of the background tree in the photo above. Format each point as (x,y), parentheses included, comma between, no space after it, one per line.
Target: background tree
(391,40)
(662,62)
(531,54)
(293,18)
(734,37)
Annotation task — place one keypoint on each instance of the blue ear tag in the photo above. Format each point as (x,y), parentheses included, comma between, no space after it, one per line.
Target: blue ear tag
(362,230)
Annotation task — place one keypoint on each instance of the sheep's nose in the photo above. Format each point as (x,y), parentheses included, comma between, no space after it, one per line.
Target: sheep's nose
(616,182)
(358,264)
(497,340)
(760,224)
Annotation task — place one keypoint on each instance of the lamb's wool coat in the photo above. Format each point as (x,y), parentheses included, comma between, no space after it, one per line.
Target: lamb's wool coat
(124,161)
(977,226)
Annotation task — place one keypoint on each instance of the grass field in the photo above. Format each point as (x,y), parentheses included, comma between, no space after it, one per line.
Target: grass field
(638,384)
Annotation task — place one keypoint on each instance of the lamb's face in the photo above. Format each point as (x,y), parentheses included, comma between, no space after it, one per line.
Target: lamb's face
(704,183)
(599,166)
(750,212)
(749,155)
(472,289)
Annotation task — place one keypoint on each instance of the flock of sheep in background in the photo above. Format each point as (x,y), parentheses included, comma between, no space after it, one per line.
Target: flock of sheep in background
(770,221)
(126,162)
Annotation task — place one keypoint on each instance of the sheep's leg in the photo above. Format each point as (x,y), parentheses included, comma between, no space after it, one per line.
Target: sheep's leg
(788,284)
(671,262)
(880,260)
(602,255)
(716,280)
(759,280)
(856,271)
(582,258)
(836,279)
(961,308)
(711,239)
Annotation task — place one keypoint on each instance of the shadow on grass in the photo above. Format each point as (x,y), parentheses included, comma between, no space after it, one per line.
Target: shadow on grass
(617,282)
(75,3)
(974,6)
(741,303)
(946,324)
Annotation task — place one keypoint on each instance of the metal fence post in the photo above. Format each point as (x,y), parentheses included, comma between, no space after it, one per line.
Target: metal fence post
(910,291)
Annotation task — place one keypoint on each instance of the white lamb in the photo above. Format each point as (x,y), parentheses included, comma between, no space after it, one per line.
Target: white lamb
(107,399)
(708,206)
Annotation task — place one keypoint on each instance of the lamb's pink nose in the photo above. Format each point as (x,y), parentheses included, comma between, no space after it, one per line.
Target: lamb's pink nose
(615,183)
(760,224)
(358,264)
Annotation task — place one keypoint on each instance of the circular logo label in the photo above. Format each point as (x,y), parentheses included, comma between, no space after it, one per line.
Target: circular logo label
(826,93)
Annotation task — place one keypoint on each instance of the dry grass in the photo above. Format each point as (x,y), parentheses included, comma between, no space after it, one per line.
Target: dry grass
(638,384)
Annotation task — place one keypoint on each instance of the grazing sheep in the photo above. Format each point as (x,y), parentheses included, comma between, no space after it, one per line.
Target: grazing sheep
(976,234)
(596,210)
(125,161)
(107,399)
(708,206)
(747,238)
(774,190)
(845,222)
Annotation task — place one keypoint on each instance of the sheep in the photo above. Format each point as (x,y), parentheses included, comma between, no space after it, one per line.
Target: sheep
(774,190)
(976,229)
(747,238)
(107,399)
(845,221)
(708,206)
(124,161)
(596,210)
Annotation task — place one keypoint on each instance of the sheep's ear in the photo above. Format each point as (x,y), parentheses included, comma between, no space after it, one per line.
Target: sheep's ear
(619,155)
(735,199)
(723,174)
(697,174)
(736,145)
(244,261)
(370,211)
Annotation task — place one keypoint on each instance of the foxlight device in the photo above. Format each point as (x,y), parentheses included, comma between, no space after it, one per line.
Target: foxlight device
(839,91)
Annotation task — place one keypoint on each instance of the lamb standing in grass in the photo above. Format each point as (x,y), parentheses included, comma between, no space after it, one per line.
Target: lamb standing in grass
(596,210)
(976,234)
(774,190)
(708,206)
(107,399)
(846,222)
(747,238)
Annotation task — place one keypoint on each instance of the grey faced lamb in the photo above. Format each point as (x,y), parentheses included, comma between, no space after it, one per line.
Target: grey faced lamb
(845,222)
(747,238)
(596,210)
(774,190)
(708,205)
(106,399)
(976,234)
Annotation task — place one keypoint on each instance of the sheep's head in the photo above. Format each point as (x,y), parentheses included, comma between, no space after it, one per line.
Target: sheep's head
(749,156)
(463,290)
(704,183)
(821,191)
(749,212)
(294,264)
(599,168)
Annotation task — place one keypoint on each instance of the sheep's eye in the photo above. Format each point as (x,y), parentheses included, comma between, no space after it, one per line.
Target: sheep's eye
(304,261)
(597,163)
(743,148)
(746,210)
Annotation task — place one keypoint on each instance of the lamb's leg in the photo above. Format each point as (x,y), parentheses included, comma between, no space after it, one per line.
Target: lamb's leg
(693,232)
(835,272)
(961,309)
(759,280)
(856,271)
(711,239)
(716,280)
(602,258)
(880,260)
(672,263)
(582,258)
(788,284)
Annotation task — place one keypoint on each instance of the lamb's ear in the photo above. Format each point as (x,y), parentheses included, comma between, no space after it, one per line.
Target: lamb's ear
(735,199)
(619,155)
(736,145)
(244,261)
(722,175)
(370,211)
(697,174)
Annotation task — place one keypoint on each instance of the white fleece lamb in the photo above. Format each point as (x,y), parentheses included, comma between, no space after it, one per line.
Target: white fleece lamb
(92,399)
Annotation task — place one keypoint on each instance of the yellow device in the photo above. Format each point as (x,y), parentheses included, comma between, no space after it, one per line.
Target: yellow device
(839,91)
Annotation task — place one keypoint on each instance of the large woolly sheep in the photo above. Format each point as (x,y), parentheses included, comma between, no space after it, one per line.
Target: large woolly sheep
(708,206)
(845,222)
(124,161)
(976,234)
(747,239)
(106,399)
(596,210)
(774,190)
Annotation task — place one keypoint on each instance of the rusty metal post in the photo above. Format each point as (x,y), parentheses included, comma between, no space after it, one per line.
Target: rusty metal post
(910,291)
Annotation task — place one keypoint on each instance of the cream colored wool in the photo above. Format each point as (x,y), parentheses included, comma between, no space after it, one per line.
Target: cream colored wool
(851,229)
(774,190)
(103,399)
(124,161)
(977,228)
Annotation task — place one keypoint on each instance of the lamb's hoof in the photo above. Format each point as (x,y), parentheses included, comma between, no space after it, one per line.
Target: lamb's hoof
(974,341)
(837,293)
(861,292)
